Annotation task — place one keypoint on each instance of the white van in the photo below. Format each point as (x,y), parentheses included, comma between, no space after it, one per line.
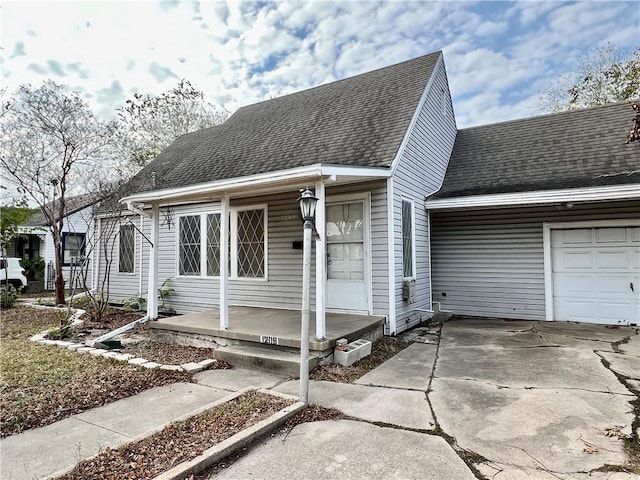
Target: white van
(14,273)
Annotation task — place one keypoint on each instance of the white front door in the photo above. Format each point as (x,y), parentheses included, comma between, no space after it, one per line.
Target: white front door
(346,256)
(596,275)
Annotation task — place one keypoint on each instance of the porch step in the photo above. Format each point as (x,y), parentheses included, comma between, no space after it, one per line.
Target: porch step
(264,359)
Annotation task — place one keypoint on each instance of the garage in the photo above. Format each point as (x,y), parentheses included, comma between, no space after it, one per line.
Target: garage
(596,274)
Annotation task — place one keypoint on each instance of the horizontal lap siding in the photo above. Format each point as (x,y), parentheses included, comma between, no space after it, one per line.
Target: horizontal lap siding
(419,173)
(491,262)
(191,294)
(122,286)
(282,289)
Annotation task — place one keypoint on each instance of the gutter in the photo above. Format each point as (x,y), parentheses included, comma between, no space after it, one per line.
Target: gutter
(542,197)
(98,342)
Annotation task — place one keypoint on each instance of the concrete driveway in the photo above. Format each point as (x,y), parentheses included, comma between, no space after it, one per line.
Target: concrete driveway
(494,399)
(535,399)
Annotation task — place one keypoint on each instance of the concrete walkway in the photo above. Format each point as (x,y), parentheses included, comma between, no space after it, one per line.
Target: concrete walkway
(496,399)
(43,451)
(516,400)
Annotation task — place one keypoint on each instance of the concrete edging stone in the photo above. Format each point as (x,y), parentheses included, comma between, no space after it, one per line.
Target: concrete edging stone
(41,339)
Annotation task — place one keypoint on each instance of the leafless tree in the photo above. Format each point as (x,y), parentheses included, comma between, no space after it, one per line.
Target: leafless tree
(49,138)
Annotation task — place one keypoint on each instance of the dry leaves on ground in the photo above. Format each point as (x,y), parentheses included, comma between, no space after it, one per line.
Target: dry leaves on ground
(180,441)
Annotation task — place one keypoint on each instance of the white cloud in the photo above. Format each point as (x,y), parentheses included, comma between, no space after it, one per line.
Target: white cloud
(499,55)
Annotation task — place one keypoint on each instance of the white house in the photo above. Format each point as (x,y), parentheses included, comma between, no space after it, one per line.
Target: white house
(534,216)
(219,214)
(36,240)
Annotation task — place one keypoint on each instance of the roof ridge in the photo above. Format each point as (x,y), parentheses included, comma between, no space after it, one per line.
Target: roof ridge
(340,80)
(551,114)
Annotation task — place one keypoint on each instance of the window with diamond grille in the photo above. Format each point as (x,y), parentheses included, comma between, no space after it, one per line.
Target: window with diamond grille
(189,245)
(407,239)
(213,244)
(127,249)
(250,244)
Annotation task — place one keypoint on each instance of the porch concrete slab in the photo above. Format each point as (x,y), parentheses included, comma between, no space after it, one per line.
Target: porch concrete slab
(238,378)
(541,367)
(349,450)
(250,323)
(409,369)
(152,408)
(625,365)
(531,428)
(404,408)
(43,451)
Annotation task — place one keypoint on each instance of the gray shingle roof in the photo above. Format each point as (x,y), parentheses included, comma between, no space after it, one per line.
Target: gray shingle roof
(72,205)
(358,121)
(580,148)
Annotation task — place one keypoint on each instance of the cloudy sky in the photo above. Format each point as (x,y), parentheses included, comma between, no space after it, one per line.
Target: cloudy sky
(499,55)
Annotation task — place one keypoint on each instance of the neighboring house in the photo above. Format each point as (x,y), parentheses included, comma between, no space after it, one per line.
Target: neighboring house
(36,240)
(217,211)
(539,219)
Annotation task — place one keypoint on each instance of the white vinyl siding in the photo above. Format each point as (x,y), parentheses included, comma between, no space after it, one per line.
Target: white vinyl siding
(420,172)
(491,262)
(283,286)
(105,238)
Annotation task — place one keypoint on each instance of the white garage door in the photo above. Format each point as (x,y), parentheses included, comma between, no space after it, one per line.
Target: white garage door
(596,275)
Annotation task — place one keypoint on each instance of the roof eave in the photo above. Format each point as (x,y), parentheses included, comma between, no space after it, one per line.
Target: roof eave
(259,183)
(541,197)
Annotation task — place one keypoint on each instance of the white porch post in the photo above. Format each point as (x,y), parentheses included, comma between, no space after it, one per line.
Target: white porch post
(224,262)
(152,299)
(321,326)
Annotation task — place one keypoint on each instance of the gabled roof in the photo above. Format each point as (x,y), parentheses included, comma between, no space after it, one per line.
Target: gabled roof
(358,121)
(574,149)
(72,205)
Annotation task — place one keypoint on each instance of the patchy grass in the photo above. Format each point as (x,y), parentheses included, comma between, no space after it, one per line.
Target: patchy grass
(180,441)
(40,384)
(381,351)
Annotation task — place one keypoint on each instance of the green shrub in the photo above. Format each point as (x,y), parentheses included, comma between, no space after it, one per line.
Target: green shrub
(8,295)
(34,267)
(135,304)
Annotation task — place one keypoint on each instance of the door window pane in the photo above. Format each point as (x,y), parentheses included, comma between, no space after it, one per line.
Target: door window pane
(345,241)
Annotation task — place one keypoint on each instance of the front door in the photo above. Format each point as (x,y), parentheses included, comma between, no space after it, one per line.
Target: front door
(346,256)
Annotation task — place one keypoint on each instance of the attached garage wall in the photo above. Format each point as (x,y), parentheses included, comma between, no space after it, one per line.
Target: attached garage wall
(491,262)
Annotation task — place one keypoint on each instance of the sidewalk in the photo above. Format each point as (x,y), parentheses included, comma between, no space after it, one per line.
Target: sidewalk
(43,451)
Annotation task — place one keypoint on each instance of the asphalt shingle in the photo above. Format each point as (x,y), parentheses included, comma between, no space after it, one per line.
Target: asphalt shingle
(580,148)
(358,121)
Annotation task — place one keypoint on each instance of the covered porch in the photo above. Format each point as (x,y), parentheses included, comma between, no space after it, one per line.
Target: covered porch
(252,326)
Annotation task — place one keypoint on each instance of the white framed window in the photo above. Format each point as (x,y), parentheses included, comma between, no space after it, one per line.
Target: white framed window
(189,245)
(127,249)
(249,242)
(408,240)
(199,242)
(213,244)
